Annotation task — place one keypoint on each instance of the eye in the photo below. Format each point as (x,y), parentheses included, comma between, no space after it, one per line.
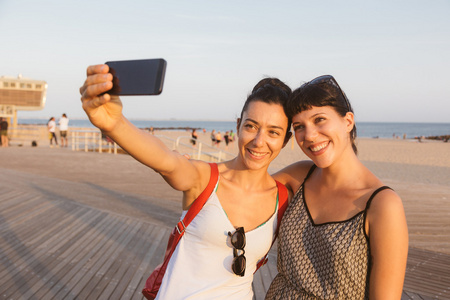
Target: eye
(319,119)
(298,127)
(249,126)
(274,132)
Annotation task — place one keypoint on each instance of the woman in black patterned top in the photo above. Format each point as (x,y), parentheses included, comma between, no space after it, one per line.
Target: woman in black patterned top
(344,234)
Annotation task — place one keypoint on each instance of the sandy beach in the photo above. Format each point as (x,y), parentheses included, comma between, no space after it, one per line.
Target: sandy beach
(419,172)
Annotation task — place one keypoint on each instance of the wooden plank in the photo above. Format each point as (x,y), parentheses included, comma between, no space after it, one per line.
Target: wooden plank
(137,255)
(26,261)
(44,264)
(428,273)
(101,258)
(122,276)
(21,252)
(111,267)
(157,240)
(61,289)
(103,233)
(57,264)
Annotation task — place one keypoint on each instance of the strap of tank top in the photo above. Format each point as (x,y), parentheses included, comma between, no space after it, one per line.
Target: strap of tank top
(313,167)
(374,194)
(368,205)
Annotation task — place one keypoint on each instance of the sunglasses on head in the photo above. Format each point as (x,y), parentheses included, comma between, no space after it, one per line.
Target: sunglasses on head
(238,243)
(330,79)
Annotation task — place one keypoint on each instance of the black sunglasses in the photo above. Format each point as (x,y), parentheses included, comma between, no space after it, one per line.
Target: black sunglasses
(330,79)
(238,243)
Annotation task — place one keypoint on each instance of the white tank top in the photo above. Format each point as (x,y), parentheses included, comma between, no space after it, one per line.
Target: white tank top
(200,267)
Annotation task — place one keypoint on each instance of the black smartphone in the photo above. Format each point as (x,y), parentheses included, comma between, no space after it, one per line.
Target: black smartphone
(137,77)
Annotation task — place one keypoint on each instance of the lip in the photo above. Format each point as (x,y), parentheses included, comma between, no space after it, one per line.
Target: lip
(319,148)
(255,154)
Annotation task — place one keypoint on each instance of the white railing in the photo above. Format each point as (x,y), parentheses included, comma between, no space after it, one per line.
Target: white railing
(200,151)
(91,140)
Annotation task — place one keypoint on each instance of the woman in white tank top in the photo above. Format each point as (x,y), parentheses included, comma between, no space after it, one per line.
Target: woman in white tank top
(203,265)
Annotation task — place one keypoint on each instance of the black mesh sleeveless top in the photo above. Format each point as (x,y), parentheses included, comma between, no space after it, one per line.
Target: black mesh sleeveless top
(321,261)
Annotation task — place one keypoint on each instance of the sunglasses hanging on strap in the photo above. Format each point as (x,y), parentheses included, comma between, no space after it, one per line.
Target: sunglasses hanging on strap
(238,237)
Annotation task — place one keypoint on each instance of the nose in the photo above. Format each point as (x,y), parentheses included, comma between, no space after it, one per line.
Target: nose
(259,139)
(310,133)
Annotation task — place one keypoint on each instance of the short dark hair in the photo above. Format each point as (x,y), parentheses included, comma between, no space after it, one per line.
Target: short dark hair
(321,91)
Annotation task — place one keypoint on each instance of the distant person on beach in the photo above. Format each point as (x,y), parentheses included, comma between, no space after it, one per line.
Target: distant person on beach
(232,136)
(226,137)
(213,137)
(63,128)
(212,259)
(218,139)
(194,137)
(344,234)
(4,132)
(51,126)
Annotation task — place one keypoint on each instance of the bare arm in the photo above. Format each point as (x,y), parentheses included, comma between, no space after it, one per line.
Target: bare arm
(105,112)
(293,175)
(388,234)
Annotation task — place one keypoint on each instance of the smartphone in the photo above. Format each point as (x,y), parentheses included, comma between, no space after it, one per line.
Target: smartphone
(137,77)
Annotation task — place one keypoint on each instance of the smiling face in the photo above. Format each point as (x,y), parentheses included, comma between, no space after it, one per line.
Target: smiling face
(323,134)
(261,132)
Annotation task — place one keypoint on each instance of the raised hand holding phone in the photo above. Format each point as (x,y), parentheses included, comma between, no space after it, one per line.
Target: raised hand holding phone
(103,110)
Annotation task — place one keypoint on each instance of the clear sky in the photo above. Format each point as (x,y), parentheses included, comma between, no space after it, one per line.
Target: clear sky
(390,57)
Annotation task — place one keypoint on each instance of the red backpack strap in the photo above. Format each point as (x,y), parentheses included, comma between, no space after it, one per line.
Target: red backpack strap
(198,203)
(282,205)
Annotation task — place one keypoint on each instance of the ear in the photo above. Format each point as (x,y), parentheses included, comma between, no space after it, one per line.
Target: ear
(287,138)
(350,121)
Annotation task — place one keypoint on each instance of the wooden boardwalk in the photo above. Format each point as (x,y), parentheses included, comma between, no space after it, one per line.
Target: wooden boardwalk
(59,249)
(52,247)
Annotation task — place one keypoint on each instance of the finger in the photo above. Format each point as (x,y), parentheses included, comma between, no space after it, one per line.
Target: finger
(91,91)
(96,79)
(97,69)
(96,102)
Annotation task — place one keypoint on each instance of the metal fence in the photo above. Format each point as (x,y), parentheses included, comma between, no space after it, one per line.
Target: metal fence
(92,140)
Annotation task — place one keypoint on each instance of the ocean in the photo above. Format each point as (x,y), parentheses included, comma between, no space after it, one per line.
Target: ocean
(364,129)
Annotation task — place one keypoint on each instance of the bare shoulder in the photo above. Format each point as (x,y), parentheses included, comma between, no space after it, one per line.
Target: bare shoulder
(293,175)
(203,175)
(386,212)
(385,202)
(203,172)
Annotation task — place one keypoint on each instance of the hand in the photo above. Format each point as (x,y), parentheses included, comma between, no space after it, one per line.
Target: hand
(104,111)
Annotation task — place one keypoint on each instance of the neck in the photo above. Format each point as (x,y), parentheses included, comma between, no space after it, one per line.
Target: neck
(239,174)
(343,172)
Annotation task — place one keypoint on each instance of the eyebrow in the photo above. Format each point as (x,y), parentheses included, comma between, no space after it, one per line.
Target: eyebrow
(313,116)
(270,126)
